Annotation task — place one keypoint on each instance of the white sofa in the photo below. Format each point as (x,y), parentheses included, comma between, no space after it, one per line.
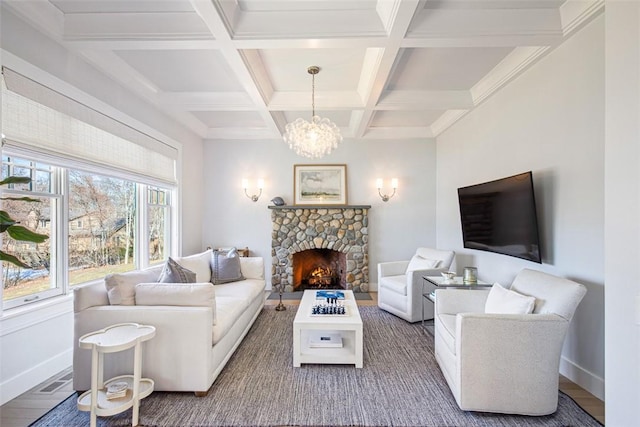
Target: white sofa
(501,361)
(193,342)
(400,283)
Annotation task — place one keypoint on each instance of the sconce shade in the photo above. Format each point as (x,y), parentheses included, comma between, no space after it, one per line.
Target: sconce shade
(254,197)
(380,184)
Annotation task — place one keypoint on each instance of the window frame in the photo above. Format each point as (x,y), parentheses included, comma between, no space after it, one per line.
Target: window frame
(60,254)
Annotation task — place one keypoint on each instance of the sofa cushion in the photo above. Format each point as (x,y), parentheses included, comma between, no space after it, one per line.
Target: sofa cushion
(505,301)
(175,273)
(225,267)
(189,295)
(199,264)
(232,299)
(252,267)
(121,286)
(397,284)
(418,262)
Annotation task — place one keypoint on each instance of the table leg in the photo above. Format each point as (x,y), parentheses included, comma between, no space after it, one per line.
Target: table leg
(137,368)
(359,347)
(96,380)
(296,346)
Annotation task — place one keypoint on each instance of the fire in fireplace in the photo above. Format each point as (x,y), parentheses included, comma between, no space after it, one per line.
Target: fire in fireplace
(319,269)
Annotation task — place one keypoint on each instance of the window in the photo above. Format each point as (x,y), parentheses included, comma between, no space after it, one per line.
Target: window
(103,239)
(92,175)
(158,223)
(22,285)
(95,235)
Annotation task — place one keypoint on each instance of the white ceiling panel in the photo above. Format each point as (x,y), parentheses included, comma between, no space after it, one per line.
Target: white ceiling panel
(237,69)
(444,68)
(183,70)
(405,118)
(340,69)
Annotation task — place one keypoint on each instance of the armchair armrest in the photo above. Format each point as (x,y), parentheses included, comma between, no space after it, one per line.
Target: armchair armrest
(454,301)
(416,276)
(393,268)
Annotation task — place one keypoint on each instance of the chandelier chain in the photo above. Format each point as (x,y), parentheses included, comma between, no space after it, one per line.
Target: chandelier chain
(313,95)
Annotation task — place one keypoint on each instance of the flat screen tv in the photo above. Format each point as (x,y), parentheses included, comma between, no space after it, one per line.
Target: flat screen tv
(500,216)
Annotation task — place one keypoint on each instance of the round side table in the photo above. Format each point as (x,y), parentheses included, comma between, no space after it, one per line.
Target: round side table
(112,339)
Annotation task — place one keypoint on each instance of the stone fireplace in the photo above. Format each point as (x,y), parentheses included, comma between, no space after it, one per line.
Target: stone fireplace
(320,247)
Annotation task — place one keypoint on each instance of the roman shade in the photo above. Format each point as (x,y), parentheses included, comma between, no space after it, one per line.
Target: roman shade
(35,117)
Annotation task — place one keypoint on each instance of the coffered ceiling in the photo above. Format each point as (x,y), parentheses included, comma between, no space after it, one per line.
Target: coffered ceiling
(237,69)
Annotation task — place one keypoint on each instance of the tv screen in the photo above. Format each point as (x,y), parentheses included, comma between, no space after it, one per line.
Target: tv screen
(500,216)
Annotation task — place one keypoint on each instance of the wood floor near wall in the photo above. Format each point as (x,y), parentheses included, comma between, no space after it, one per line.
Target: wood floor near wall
(586,400)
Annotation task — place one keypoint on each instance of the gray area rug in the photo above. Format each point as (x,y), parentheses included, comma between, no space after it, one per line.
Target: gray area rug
(296,296)
(400,385)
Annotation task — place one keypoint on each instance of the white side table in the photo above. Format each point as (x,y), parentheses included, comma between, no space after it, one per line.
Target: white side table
(110,340)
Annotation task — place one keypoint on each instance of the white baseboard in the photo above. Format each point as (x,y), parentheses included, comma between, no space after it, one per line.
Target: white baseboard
(25,381)
(585,379)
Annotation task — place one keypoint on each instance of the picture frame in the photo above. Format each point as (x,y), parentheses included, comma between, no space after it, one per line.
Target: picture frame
(320,184)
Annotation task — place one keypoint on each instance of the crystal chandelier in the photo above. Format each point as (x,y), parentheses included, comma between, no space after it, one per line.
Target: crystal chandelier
(313,139)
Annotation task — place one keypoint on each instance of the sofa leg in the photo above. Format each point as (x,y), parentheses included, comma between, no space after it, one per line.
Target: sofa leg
(201,393)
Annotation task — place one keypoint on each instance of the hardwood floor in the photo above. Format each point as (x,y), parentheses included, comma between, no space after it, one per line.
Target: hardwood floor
(28,407)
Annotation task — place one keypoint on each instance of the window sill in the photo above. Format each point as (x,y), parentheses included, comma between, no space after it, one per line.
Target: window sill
(37,310)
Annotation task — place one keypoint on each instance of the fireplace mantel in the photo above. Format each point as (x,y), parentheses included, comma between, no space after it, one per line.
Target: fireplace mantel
(294,207)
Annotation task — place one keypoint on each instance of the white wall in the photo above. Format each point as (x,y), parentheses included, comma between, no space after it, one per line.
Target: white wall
(36,341)
(622,213)
(396,228)
(549,120)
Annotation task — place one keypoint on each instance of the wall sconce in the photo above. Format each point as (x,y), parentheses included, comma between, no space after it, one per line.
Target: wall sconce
(385,197)
(254,197)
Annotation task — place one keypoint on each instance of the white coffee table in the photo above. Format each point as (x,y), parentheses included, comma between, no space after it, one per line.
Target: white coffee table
(347,326)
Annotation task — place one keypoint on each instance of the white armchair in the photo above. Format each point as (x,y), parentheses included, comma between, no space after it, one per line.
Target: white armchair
(400,283)
(506,363)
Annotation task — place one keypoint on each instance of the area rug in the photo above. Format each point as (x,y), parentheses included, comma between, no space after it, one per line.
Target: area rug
(400,385)
(296,296)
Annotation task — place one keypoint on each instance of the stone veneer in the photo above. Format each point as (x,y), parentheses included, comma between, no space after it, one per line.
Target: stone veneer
(343,229)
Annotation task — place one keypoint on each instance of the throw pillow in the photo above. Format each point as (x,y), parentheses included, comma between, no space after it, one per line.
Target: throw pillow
(199,264)
(175,273)
(225,267)
(252,267)
(419,263)
(505,301)
(121,286)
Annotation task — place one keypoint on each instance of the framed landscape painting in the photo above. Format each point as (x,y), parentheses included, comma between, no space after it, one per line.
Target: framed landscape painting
(319,184)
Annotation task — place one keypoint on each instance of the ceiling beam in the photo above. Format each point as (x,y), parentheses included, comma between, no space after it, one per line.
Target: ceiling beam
(238,64)
(399,18)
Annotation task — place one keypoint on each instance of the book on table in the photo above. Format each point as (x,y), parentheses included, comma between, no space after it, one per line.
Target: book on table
(325,339)
(117,390)
(329,295)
